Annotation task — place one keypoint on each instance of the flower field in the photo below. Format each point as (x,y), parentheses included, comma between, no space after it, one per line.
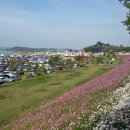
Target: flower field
(114,114)
(66,111)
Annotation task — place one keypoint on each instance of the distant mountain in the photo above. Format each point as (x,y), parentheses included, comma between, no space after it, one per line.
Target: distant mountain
(18,48)
(4,48)
(31,49)
(101,47)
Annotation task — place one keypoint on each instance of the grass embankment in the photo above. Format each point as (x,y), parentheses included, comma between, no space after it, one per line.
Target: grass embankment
(18,97)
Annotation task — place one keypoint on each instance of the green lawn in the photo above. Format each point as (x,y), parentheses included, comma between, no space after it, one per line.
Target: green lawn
(22,96)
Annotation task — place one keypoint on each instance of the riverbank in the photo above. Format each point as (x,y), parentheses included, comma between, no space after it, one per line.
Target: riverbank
(68,110)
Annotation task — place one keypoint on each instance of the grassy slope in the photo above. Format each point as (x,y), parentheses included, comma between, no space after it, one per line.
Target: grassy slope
(18,97)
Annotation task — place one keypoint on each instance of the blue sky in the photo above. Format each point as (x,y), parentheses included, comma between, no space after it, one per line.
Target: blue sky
(62,23)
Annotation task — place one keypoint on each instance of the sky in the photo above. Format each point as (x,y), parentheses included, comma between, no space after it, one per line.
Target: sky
(62,23)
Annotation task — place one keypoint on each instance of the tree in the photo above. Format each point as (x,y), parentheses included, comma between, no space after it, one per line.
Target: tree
(79,60)
(126,22)
(26,75)
(40,74)
(68,63)
(99,59)
(40,70)
(56,62)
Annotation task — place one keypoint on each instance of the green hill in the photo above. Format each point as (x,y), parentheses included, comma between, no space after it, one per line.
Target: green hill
(101,47)
(30,49)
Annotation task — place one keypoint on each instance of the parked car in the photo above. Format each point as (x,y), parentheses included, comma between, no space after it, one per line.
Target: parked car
(8,78)
(2,80)
(11,79)
(33,74)
(47,71)
(1,69)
